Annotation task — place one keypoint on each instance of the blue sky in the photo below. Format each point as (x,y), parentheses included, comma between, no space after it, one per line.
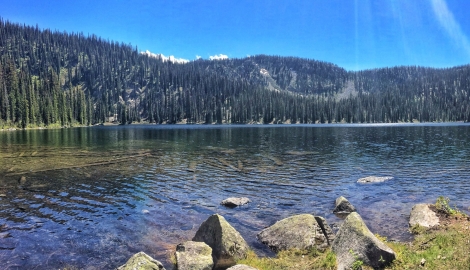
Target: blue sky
(354,34)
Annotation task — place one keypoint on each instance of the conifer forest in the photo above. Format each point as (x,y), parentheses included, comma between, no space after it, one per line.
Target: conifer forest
(51,78)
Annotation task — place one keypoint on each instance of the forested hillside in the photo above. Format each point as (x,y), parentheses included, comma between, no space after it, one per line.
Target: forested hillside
(64,79)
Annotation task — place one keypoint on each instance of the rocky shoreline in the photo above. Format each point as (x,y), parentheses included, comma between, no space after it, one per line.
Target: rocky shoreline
(217,245)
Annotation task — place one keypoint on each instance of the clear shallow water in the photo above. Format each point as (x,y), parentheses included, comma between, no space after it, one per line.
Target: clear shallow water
(95,196)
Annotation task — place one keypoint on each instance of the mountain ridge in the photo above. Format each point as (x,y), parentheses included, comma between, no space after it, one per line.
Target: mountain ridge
(55,78)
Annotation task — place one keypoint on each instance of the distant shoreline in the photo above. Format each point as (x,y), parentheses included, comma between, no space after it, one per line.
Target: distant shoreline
(108,124)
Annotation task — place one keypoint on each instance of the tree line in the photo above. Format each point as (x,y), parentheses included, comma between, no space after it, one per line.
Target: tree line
(51,78)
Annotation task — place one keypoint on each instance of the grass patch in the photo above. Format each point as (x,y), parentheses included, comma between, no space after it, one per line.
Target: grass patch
(293,259)
(443,248)
(357,264)
(417,229)
(446,247)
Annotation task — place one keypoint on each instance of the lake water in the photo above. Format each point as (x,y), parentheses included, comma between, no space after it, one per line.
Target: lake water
(94,196)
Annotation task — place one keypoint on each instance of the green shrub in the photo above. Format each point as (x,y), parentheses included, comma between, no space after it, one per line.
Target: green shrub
(442,205)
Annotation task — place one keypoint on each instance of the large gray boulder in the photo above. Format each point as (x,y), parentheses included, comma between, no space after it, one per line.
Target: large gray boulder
(343,206)
(241,267)
(299,231)
(141,261)
(354,241)
(192,255)
(227,244)
(234,201)
(423,216)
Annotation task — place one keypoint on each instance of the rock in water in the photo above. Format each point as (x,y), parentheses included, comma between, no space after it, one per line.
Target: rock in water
(194,255)
(343,206)
(234,202)
(241,267)
(227,244)
(299,231)
(354,241)
(374,179)
(423,216)
(141,261)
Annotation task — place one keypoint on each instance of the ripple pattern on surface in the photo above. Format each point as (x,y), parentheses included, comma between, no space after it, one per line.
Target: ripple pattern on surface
(154,186)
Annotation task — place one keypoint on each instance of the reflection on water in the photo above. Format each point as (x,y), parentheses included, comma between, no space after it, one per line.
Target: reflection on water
(92,197)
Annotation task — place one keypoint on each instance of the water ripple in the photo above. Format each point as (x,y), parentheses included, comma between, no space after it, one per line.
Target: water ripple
(98,216)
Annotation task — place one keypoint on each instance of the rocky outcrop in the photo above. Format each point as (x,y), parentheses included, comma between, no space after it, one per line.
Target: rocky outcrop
(241,267)
(354,242)
(194,255)
(227,244)
(343,207)
(299,231)
(374,179)
(234,202)
(423,216)
(142,261)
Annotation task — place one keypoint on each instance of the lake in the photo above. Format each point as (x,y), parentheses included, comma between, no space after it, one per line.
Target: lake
(92,197)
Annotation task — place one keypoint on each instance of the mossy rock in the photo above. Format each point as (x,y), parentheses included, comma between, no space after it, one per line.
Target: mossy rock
(142,261)
(227,244)
(299,231)
(355,243)
(194,255)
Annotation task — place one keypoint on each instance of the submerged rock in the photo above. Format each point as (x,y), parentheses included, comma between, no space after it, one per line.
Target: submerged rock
(141,261)
(227,244)
(299,231)
(234,202)
(194,255)
(354,241)
(343,207)
(374,179)
(423,216)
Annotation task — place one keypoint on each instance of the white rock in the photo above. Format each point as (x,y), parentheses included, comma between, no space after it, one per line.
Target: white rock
(374,179)
(423,216)
(234,202)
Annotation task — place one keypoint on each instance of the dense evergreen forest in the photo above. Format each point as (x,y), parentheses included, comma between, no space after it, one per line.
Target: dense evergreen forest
(65,79)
